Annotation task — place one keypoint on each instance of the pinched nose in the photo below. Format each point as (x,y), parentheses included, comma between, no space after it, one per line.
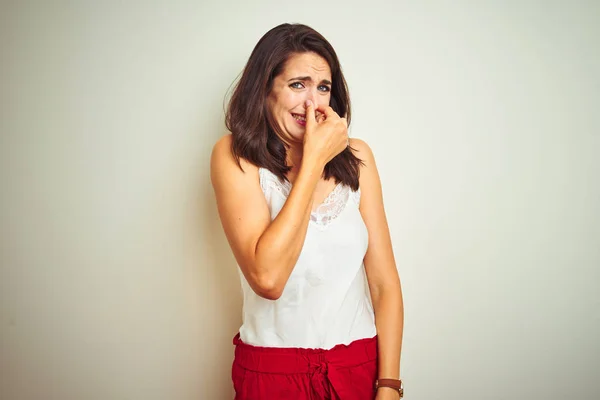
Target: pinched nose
(319,116)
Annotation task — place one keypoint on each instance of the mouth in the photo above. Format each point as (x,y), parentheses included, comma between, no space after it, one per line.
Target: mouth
(300,119)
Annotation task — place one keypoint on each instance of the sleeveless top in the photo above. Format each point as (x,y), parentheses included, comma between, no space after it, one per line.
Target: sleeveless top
(326,299)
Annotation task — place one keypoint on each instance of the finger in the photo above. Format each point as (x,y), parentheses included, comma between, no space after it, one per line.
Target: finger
(320,117)
(310,113)
(329,112)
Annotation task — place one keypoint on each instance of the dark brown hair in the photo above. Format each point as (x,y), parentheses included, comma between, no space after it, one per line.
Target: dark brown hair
(248,116)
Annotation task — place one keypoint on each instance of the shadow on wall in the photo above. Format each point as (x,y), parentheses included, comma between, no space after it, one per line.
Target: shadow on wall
(221,307)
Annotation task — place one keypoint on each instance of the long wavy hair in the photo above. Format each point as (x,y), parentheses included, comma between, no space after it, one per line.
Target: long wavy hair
(249,118)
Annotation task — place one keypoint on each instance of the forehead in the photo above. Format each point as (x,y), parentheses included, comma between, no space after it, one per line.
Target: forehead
(306,64)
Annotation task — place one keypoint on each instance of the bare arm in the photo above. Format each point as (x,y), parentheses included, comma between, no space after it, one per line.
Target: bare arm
(380,266)
(268,251)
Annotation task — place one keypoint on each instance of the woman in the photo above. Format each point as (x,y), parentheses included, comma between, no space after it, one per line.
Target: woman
(302,209)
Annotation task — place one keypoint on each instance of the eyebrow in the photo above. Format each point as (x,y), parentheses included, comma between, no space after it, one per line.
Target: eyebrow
(308,78)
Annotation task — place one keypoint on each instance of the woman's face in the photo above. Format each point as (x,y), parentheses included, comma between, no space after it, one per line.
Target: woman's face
(305,76)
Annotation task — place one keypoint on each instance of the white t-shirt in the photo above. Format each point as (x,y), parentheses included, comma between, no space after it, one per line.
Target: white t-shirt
(326,299)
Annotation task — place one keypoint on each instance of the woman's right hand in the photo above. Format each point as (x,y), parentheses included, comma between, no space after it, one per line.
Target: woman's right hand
(326,138)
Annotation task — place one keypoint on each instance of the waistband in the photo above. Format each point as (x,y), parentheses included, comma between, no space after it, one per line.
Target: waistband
(292,360)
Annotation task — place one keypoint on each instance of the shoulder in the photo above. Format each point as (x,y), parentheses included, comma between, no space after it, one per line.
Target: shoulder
(225,167)
(363,151)
(224,143)
(222,155)
(368,177)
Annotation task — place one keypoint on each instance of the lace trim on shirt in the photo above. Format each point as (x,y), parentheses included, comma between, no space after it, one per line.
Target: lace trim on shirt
(269,180)
(329,210)
(332,206)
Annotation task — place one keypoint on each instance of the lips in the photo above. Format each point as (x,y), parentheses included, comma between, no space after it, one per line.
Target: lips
(299,117)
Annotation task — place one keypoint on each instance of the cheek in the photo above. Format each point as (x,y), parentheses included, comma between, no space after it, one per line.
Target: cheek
(278,104)
(289,101)
(324,99)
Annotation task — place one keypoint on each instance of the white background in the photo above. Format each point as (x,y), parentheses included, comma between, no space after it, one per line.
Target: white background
(116,280)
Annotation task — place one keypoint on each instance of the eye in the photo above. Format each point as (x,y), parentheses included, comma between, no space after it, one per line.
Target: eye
(297,85)
(324,88)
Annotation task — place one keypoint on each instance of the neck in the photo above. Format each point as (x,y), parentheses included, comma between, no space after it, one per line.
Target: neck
(294,157)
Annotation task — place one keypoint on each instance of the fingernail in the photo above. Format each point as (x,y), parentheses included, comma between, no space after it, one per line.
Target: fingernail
(308,103)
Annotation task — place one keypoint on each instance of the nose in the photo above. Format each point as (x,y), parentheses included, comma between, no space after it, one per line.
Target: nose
(313,96)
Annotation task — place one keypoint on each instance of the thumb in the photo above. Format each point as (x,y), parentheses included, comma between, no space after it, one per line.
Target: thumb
(310,113)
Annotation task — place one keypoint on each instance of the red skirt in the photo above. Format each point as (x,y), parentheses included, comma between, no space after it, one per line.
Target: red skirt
(346,372)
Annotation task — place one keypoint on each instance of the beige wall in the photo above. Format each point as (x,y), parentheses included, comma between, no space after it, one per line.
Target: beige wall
(116,281)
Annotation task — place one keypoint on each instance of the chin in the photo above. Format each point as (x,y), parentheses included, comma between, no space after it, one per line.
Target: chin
(297,135)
